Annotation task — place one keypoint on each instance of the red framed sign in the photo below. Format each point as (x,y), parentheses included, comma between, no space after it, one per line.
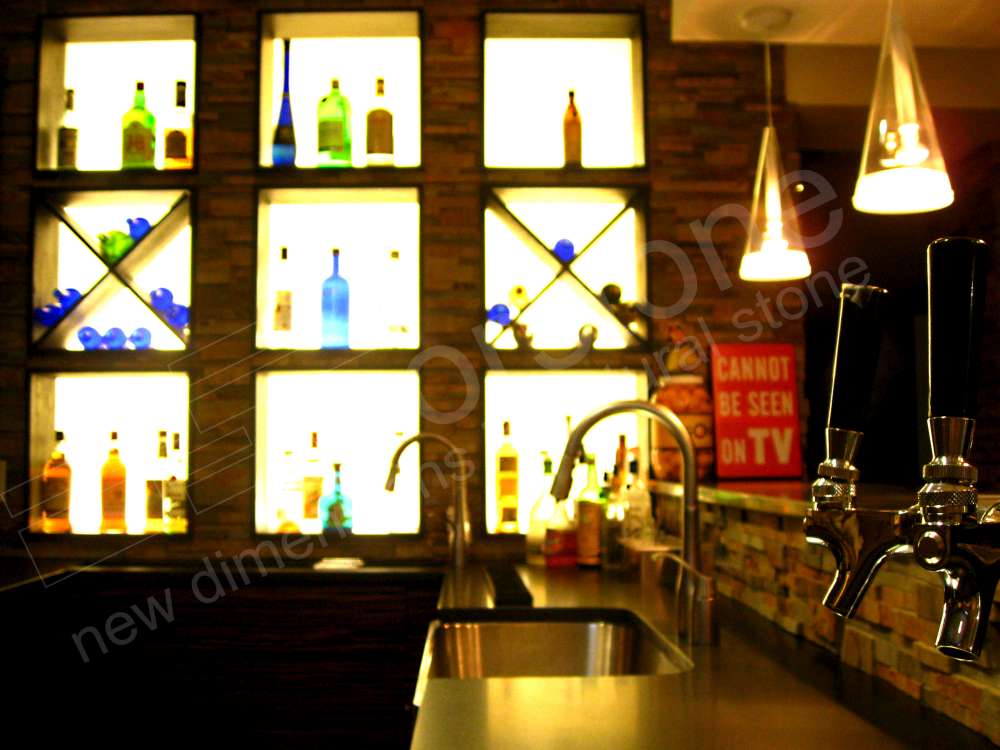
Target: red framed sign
(756,399)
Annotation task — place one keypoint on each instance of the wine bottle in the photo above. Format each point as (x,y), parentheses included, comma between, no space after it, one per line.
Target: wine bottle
(67,136)
(283,295)
(572,133)
(312,481)
(113,491)
(283,147)
(336,308)
(156,486)
(178,144)
(379,133)
(335,506)
(507,491)
(138,133)
(334,128)
(175,490)
(56,483)
(589,512)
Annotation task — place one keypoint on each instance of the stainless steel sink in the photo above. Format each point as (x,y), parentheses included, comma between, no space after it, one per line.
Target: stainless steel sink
(473,644)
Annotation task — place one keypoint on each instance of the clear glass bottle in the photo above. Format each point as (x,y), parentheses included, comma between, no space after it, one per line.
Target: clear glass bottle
(613,527)
(507,489)
(379,129)
(156,485)
(138,133)
(335,507)
(175,490)
(336,308)
(288,515)
(178,141)
(113,491)
(283,144)
(538,519)
(56,484)
(312,483)
(67,136)
(334,128)
(283,294)
(589,515)
(395,298)
(639,523)
(572,133)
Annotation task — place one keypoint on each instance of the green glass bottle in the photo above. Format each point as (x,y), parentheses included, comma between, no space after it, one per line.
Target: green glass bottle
(138,133)
(334,136)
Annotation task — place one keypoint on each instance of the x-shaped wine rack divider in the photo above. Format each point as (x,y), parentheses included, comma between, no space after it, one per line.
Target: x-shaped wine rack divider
(163,231)
(531,240)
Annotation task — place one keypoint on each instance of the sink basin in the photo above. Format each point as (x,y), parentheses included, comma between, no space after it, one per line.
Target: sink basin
(474,644)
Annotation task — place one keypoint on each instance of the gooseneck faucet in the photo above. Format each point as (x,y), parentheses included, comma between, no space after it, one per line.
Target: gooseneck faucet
(563,480)
(459,528)
(943,529)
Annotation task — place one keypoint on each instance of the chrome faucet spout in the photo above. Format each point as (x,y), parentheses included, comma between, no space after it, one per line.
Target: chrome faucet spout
(563,479)
(460,537)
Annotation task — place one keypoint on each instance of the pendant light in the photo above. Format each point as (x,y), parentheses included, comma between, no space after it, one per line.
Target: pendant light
(902,170)
(773,239)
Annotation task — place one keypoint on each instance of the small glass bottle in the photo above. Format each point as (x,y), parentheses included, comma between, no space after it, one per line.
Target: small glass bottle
(335,506)
(156,500)
(283,143)
(178,143)
(336,308)
(572,136)
(67,135)
(138,133)
(282,294)
(538,519)
(379,129)
(589,515)
(334,128)
(639,523)
(56,484)
(507,485)
(113,491)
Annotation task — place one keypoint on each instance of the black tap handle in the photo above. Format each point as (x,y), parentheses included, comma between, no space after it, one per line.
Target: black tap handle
(956,295)
(859,336)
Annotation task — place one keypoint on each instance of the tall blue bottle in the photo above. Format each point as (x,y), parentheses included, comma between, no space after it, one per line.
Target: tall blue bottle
(336,308)
(283,150)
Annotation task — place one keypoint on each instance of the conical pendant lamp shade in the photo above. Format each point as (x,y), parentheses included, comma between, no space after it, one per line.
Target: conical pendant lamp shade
(773,241)
(902,170)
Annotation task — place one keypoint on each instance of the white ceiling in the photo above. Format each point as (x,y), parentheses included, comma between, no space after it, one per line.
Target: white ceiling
(930,23)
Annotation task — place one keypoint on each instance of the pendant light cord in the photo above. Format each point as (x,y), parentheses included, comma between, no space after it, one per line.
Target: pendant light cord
(767,80)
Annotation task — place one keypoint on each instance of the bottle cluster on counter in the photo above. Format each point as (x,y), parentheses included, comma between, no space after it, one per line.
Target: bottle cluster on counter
(334,139)
(588,530)
(165,489)
(139,133)
(312,497)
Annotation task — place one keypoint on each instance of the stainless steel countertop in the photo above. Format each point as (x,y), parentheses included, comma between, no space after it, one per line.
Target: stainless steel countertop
(736,696)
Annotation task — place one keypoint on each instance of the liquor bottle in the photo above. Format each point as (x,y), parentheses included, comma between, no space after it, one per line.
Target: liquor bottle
(639,522)
(336,308)
(335,506)
(283,294)
(538,519)
(395,298)
(138,133)
(571,133)
(290,506)
(175,490)
(618,480)
(613,527)
(334,129)
(283,146)
(507,496)
(67,136)
(589,511)
(56,482)
(312,481)
(113,491)
(156,486)
(178,143)
(379,133)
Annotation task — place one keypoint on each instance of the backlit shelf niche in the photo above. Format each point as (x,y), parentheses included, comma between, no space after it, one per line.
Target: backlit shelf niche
(356,48)
(359,418)
(125,292)
(532,61)
(101,59)
(377,231)
(536,404)
(87,408)
(553,298)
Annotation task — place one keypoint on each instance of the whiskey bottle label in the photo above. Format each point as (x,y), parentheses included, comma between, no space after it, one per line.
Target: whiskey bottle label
(137,144)
(175,144)
(66,154)
(379,132)
(331,135)
(283,311)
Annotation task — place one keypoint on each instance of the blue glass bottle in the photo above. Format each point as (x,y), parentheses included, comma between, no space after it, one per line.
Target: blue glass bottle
(335,507)
(283,149)
(336,308)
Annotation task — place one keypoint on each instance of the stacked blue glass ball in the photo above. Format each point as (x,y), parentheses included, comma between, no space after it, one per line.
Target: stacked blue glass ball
(49,315)
(114,339)
(162,300)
